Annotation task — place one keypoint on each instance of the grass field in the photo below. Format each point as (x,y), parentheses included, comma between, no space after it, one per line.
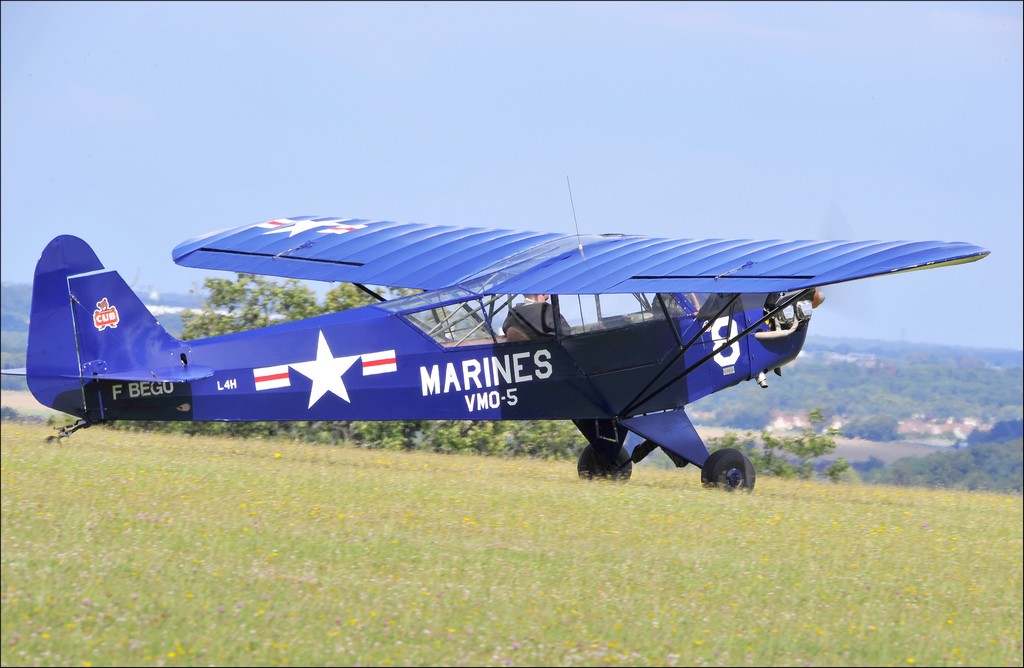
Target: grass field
(140,549)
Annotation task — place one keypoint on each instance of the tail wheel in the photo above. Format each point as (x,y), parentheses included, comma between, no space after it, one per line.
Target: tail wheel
(728,469)
(590,466)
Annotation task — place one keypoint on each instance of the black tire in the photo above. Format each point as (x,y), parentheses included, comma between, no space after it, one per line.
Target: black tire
(728,469)
(709,465)
(591,469)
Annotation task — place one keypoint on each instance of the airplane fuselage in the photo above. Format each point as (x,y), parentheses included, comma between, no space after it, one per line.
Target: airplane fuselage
(373,364)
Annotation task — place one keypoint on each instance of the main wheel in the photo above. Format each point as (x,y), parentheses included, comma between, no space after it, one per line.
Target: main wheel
(729,469)
(590,467)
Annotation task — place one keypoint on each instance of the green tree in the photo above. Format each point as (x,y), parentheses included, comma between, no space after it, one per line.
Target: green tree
(815,440)
(840,469)
(252,301)
(790,456)
(990,465)
(248,302)
(345,296)
(876,427)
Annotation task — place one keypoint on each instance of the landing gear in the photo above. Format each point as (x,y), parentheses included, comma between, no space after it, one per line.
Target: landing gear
(67,430)
(604,456)
(591,465)
(728,469)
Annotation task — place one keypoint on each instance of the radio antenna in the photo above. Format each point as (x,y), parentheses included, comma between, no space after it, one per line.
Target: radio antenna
(579,240)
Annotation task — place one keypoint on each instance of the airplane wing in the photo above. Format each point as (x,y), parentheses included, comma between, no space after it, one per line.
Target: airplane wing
(506,261)
(404,255)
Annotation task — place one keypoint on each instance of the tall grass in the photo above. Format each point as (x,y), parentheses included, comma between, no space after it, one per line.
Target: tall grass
(142,549)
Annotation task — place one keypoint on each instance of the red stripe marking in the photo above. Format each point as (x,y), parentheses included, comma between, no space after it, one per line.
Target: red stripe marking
(378,362)
(276,376)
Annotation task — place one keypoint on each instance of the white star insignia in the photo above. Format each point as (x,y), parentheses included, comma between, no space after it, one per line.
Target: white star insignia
(300,226)
(326,372)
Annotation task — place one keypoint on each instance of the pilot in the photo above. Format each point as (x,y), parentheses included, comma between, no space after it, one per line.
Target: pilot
(534,318)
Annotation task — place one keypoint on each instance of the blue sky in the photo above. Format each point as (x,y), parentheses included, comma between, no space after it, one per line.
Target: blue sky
(137,126)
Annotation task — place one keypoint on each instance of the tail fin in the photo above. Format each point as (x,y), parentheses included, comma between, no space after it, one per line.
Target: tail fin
(87,325)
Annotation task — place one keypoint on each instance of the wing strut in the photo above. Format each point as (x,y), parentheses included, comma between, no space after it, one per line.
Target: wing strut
(641,398)
(637,401)
(369,292)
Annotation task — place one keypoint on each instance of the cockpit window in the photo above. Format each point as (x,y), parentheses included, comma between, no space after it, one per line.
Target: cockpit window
(589,313)
(472,321)
(456,319)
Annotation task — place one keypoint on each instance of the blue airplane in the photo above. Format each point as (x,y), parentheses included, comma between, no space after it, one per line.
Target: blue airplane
(616,332)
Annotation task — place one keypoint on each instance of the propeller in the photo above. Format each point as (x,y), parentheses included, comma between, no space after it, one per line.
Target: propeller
(845,299)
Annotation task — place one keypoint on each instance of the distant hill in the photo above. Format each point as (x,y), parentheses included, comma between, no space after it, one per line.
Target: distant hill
(917,353)
(993,460)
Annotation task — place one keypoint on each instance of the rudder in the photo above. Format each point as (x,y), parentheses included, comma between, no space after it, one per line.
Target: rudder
(87,324)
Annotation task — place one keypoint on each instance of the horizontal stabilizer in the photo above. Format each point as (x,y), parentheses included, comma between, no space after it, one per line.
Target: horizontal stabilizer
(15,372)
(166,375)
